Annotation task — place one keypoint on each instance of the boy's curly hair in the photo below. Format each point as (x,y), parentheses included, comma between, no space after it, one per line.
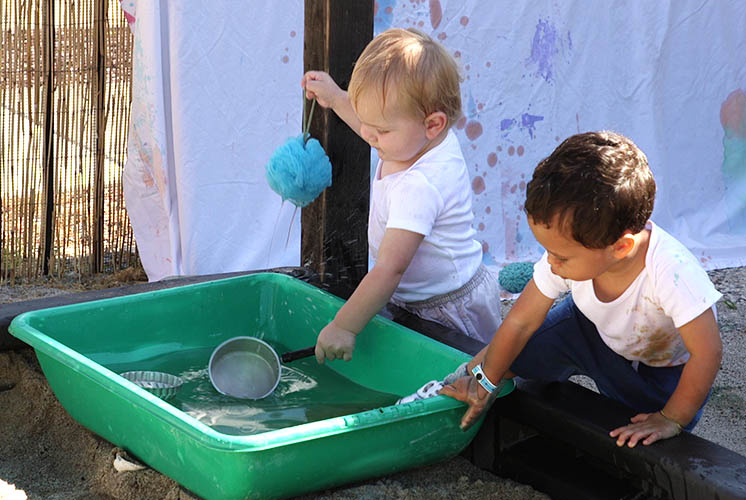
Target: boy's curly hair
(598,183)
(423,74)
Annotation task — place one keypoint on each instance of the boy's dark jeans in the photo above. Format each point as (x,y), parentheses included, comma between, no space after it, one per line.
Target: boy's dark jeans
(567,344)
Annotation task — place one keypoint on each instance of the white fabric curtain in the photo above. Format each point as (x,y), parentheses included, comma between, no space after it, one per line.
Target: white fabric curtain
(216,89)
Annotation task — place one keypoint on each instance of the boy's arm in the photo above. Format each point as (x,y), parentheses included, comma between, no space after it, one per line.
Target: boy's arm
(323,88)
(337,339)
(524,318)
(701,337)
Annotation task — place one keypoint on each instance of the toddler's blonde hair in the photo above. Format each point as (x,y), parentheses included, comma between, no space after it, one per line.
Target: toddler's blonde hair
(421,73)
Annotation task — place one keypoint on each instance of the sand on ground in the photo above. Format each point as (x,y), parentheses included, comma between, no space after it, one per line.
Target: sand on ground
(46,455)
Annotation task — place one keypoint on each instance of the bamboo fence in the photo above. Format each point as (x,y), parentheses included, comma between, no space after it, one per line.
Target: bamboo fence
(65,96)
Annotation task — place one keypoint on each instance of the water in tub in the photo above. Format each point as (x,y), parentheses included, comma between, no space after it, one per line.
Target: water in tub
(307,392)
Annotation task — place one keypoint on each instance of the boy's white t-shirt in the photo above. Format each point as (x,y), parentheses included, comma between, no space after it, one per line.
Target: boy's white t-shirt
(641,324)
(432,198)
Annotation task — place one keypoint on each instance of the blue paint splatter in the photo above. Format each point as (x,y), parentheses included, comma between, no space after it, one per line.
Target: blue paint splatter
(733,120)
(471,106)
(487,259)
(544,47)
(384,17)
(373,163)
(528,121)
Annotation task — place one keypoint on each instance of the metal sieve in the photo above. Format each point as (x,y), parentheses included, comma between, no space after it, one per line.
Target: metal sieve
(163,385)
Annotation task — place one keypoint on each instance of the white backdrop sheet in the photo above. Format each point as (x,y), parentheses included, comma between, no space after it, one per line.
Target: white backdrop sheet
(215,90)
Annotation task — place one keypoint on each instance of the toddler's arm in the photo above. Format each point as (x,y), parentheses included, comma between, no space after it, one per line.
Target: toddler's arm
(337,339)
(702,339)
(524,318)
(324,89)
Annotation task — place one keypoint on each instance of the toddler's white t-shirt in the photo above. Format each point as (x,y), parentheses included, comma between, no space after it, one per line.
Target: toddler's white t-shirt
(641,324)
(432,198)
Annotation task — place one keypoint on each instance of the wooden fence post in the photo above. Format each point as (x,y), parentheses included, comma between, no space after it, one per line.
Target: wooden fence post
(334,239)
(48,166)
(97,248)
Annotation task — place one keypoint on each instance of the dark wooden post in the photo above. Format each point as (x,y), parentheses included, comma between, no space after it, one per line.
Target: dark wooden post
(334,239)
(48,153)
(101,24)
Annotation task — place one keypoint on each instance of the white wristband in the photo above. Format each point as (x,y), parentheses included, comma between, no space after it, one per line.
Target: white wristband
(482,378)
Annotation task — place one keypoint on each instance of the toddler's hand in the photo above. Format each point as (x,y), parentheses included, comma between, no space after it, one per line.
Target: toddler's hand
(334,343)
(648,427)
(466,389)
(321,86)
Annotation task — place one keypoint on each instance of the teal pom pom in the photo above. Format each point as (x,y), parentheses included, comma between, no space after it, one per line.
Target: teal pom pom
(299,171)
(514,277)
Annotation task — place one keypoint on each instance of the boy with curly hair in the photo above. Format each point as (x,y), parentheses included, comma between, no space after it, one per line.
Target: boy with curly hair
(639,318)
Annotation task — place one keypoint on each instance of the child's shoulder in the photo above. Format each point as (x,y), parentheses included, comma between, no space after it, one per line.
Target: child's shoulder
(677,283)
(666,250)
(444,159)
(669,261)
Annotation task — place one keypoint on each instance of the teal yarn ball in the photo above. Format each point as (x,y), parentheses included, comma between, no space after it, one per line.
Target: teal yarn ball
(515,276)
(299,170)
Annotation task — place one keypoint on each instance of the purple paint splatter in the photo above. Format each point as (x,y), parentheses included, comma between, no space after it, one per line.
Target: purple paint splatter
(528,121)
(544,47)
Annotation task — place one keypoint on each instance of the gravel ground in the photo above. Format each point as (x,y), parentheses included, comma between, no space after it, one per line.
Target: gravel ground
(45,454)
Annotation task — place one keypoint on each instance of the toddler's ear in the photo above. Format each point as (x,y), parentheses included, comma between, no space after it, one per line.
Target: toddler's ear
(435,123)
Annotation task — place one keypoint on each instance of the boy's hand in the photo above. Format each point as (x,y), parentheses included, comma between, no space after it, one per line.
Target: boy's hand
(461,371)
(468,390)
(334,343)
(648,427)
(321,86)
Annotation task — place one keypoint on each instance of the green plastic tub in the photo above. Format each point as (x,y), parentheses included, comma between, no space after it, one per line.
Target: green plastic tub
(83,347)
